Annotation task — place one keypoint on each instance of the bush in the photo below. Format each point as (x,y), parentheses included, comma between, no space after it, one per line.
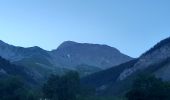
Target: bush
(149,88)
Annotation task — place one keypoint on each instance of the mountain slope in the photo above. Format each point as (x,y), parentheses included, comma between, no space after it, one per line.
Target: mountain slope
(113,81)
(106,79)
(156,55)
(8,69)
(107,76)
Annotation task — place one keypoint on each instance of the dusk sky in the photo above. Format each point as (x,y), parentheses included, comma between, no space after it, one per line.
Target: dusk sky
(132,26)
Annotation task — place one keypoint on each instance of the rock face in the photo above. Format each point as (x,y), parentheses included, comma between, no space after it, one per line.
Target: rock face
(67,56)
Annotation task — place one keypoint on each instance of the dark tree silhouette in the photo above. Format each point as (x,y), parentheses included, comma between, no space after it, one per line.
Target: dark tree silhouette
(64,87)
(12,88)
(149,88)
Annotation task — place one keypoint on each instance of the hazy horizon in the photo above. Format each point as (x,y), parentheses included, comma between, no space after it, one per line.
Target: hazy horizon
(132,26)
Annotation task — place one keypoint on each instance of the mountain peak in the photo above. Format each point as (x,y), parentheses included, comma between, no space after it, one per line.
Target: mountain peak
(35,48)
(66,44)
(71,53)
(69,42)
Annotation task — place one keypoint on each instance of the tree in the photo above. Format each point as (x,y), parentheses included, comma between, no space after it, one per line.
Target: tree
(12,88)
(149,88)
(64,87)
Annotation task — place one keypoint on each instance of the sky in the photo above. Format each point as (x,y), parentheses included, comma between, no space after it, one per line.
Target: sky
(132,26)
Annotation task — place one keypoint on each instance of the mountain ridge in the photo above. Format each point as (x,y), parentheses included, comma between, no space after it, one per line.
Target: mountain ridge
(69,55)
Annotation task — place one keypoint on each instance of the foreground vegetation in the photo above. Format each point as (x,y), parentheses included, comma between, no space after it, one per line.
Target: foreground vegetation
(68,87)
(148,87)
(12,88)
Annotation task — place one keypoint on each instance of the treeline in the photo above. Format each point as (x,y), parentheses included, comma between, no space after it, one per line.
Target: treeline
(13,88)
(68,87)
(65,87)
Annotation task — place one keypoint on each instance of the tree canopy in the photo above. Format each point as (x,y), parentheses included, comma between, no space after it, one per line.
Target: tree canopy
(64,87)
(149,88)
(12,88)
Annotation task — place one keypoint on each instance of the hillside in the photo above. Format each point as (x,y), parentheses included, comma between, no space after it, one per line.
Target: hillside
(8,69)
(118,80)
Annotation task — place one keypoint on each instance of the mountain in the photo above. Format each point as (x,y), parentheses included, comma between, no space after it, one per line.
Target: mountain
(155,56)
(14,53)
(82,57)
(70,54)
(117,80)
(34,59)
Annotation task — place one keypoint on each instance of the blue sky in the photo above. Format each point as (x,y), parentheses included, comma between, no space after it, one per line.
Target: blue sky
(132,26)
